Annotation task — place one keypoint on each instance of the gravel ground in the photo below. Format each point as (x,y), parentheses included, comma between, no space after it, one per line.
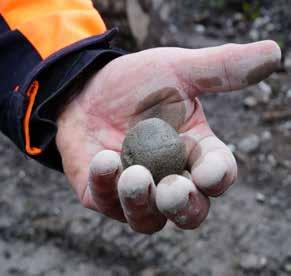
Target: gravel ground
(44,231)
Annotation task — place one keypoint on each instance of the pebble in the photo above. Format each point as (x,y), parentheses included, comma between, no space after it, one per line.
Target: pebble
(249,144)
(250,101)
(261,198)
(261,21)
(254,34)
(266,136)
(253,262)
(270,27)
(232,148)
(272,160)
(149,272)
(287,267)
(138,20)
(21,174)
(285,128)
(238,16)
(264,92)
(287,61)
(288,94)
(200,29)
(261,93)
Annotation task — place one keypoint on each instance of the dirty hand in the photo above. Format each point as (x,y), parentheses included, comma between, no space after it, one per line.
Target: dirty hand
(164,83)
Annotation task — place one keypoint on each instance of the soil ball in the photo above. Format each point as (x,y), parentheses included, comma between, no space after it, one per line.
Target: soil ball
(156,145)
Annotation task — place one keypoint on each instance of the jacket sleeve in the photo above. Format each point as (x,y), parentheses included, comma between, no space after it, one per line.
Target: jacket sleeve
(48,49)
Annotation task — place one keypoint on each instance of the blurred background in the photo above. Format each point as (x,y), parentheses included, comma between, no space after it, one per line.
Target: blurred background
(44,231)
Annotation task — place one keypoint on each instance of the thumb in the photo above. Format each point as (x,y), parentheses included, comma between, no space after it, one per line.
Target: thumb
(229,67)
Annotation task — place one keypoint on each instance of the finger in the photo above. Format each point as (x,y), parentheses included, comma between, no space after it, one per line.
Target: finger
(137,192)
(228,67)
(210,161)
(215,170)
(181,202)
(104,171)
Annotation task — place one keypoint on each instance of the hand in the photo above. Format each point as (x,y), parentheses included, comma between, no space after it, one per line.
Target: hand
(163,83)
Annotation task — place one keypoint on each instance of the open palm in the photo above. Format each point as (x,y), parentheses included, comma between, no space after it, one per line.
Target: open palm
(162,83)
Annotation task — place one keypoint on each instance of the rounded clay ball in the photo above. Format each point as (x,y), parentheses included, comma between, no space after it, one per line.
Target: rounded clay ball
(156,145)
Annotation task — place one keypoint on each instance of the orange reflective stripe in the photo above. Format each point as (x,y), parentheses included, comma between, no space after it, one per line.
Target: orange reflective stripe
(31,93)
(51,25)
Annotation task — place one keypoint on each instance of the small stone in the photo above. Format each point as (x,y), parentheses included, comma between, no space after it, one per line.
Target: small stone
(264,92)
(49,224)
(253,262)
(173,29)
(287,264)
(261,198)
(249,144)
(261,21)
(138,21)
(285,128)
(266,136)
(272,160)
(232,147)
(288,93)
(250,101)
(149,272)
(200,29)
(287,61)
(287,267)
(238,16)
(261,93)
(165,12)
(155,144)
(77,227)
(21,174)
(270,27)
(254,34)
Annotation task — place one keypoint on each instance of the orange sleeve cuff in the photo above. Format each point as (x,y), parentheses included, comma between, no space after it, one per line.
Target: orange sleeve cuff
(51,25)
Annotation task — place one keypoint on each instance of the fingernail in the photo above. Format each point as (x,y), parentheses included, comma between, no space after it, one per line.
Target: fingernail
(105,162)
(134,184)
(210,170)
(173,193)
(270,57)
(181,202)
